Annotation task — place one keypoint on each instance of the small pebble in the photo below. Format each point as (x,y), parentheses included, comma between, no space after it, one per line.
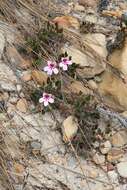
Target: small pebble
(122,169)
(105,147)
(99,159)
(19,87)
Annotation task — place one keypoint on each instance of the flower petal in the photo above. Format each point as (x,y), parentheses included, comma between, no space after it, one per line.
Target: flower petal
(65,67)
(46,68)
(69,62)
(56,71)
(61,64)
(49,62)
(54,63)
(62,59)
(41,100)
(51,100)
(46,103)
(45,94)
(49,72)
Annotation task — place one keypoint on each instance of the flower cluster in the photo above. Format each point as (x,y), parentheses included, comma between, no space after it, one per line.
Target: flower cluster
(51,68)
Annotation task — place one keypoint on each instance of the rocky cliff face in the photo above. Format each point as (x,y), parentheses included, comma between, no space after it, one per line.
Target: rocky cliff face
(59,148)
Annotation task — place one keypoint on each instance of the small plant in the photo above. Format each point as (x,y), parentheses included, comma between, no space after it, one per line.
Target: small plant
(33,42)
(51,69)
(47,40)
(88,116)
(37,62)
(60,69)
(72,70)
(64,63)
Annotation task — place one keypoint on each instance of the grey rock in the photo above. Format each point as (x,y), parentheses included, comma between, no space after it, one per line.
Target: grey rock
(3,117)
(105,147)
(11,109)
(96,144)
(13,100)
(11,142)
(2,44)
(35,145)
(119,139)
(7,87)
(124,187)
(113,176)
(99,159)
(48,173)
(91,18)
(77,56)
(7,78)
(4,96)
(122,169)
(40,127)
(19,87)
(124,158)
(10,32)
(1,186)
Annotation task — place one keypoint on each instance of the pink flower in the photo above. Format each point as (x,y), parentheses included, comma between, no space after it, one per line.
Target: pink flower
(51,68)
(64,63)
(46,99)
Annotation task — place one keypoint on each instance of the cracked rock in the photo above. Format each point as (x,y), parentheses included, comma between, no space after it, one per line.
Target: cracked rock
(7,78)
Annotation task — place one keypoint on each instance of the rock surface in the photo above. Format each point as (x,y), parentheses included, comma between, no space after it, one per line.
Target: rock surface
(90,66)
(109,89)
(90,3)
(2,44)
(32,139)
(22,105)
(8,80)
(77,87)
(114,155)
(67,22)
(16,59)
(70,128)
(118,59)
(99,159)
(97,42)
(119,139)
(113,176)
(93,84)
(122,169)
(77,56)
(39,77)
(10,32)
(79,7)
(26,76)
(105,147)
